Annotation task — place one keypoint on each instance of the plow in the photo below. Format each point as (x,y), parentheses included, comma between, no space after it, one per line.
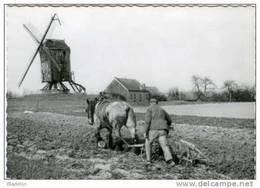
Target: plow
(184,150)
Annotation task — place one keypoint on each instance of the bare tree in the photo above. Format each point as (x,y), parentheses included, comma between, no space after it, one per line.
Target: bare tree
(197,83)
(174,94)
(202,86)
(253,92)
(208,85)
(230,85)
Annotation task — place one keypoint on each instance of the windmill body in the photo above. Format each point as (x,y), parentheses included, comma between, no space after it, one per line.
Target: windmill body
(61,53)
(55,63)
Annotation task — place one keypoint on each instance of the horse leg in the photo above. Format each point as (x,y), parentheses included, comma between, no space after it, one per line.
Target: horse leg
(134,137)
(92,116)
(117,140)
(87,108)
(97,135)
(109,140)
(135,140)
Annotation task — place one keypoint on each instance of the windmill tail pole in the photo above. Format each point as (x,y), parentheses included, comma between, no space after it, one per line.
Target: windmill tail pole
(37,50)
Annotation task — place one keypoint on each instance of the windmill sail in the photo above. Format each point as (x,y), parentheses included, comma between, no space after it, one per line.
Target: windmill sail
(43,48)
(37,50)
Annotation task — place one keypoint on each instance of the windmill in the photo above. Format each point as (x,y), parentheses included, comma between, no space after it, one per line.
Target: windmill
(55,62)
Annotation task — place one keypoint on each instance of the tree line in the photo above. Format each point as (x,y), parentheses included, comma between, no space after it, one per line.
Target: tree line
(204,89)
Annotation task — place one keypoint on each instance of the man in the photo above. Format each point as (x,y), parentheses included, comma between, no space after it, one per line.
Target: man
(157,124)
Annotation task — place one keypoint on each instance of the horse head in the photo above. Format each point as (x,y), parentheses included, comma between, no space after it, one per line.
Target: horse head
(90,109)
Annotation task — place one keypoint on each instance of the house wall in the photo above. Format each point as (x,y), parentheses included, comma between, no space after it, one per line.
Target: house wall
(139,97)
(133,97)
(115,87)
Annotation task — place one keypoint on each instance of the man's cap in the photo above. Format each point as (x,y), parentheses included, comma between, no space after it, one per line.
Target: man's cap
(153,100)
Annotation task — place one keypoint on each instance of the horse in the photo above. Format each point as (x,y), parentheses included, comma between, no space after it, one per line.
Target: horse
(113,115)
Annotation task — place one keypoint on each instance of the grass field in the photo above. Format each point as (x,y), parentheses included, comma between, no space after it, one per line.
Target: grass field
(56,142)
(239,110)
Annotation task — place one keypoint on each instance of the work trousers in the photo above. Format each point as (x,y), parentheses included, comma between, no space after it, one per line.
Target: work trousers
(162,137)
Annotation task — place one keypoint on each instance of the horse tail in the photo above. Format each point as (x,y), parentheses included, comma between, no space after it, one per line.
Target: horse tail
(131,118)
(131,122)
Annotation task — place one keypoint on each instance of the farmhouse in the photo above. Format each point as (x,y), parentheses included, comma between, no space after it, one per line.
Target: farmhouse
(130,89)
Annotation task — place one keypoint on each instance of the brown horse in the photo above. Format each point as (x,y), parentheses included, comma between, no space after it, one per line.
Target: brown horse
(113,115)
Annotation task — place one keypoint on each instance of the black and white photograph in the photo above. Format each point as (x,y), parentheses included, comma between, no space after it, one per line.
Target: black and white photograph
(130,92)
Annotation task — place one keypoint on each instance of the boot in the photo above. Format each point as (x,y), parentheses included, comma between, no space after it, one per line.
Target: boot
(170,163)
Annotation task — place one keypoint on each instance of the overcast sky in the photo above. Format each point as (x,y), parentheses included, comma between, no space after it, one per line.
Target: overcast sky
(160,47)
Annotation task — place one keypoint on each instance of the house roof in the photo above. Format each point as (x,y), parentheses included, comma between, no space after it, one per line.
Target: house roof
(56,44)
(131,84)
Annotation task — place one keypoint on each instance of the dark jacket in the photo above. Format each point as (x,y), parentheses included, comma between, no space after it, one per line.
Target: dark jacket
(156,118)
